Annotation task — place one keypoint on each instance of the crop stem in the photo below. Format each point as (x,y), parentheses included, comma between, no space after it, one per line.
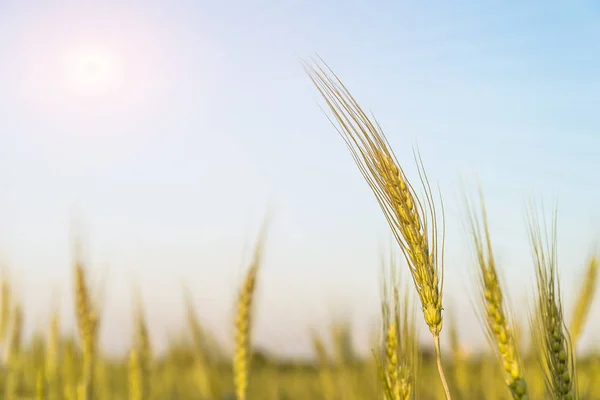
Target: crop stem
(438,356)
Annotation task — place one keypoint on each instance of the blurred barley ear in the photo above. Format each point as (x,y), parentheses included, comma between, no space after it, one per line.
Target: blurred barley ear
(587,293)
(416,226)
(136,378)
(399,365)
(325,372)
(243,321)
(39,385)
(460,362)
(69,369)
(206,351)
(343,349)
(554,344)
(51,368)
(87,324)
(13,353)
(142,349)
(5,305)
(102,380)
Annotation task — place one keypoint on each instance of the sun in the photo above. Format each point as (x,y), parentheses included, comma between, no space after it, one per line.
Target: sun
(94,72)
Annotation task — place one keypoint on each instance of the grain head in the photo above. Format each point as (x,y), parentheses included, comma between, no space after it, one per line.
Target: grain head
(493,308)
(554,344)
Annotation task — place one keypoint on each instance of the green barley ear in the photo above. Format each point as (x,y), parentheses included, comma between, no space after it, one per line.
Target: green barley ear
(493,308)
(412,219)
(554,344)
(585,299)
(242,325)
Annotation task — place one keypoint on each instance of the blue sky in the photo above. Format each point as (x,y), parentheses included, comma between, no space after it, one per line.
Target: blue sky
(211,118)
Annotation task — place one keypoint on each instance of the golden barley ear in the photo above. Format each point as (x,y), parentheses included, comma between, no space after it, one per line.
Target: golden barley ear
(493,308)
(413,219)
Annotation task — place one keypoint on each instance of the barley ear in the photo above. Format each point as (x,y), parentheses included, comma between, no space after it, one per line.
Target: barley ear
(325,371)
(135,376)
(142,350)
(493,308)
(87,324)
(400,346)
(460,361)
(554,344)
(51,368)
(242,325)
(13,352)
(5,305)
(206,350)
(412,219)
(585,299)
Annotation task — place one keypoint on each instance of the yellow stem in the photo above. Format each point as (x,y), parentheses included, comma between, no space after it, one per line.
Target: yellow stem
(438,356)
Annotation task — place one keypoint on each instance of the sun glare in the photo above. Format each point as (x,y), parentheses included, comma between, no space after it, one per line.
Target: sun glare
(94,72)
(82,76)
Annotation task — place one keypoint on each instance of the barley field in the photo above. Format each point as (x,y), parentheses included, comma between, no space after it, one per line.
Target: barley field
(527,359)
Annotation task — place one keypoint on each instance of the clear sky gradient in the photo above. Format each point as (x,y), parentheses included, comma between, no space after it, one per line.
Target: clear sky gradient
(204,116)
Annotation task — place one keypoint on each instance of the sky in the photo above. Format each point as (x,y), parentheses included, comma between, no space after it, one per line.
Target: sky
(165,130)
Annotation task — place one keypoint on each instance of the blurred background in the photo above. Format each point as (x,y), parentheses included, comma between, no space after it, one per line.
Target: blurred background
(165,130)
